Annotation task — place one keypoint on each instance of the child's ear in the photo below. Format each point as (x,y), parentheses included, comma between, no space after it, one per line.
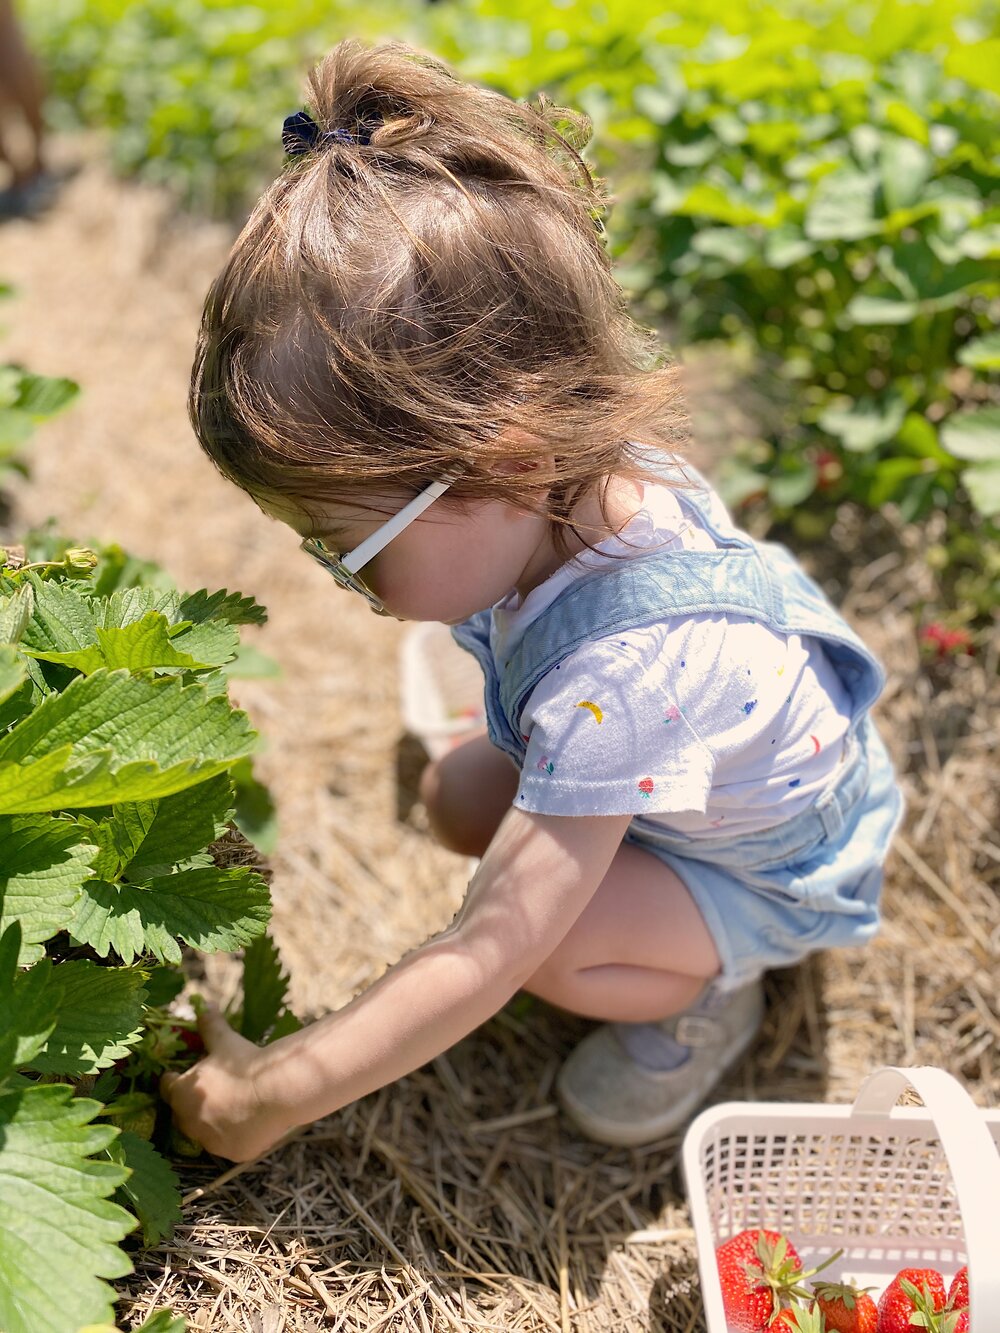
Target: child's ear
(513,466)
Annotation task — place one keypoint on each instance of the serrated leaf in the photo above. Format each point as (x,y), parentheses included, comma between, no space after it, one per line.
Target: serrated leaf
(264,988)
(152,1191)
(212,910)
(100,1018)
(13,672)
(15,612)
(125,606)
(146,645)
(43,863)
(183,825)
(211,645)
(232,607)
(29,1001)
(151,643)
(61,626)
(112,737)
(59,1231)
(118,834)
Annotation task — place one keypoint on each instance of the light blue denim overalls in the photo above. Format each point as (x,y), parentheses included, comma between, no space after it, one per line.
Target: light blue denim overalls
(771,897)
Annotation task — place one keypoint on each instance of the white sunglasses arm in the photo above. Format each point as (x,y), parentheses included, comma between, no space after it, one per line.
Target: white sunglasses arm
(371,546)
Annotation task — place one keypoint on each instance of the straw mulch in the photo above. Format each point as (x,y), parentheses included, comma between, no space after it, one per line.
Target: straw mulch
(458,1198)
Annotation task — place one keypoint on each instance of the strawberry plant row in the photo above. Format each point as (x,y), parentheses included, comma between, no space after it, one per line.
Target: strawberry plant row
(118,746)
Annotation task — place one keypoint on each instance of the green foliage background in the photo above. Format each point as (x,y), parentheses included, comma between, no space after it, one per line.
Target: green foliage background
(813,185)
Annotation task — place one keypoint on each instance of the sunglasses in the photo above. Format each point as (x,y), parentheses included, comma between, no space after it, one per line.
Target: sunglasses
(344,569)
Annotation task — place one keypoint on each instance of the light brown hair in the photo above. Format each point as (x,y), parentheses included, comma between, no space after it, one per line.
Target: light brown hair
(438,297)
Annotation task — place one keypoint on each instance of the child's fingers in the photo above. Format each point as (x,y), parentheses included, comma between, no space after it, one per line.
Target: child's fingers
(215,1027)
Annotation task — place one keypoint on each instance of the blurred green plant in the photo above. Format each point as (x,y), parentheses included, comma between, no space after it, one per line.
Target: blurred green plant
(195,91)
(816,188)
(26,400)
(811,185)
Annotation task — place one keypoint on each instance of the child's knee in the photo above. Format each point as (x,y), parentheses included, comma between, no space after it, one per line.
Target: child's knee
(466,793)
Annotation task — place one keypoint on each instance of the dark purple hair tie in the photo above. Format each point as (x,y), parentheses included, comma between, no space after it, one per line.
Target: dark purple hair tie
(300,134)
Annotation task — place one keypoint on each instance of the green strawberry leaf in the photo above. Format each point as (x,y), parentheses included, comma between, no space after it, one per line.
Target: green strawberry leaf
(183,825)
(142,837)
(15,612)
(264,988)
(112,737)
(29,1001)
(144,645)
(41,396)
(13,674)
(59,1231)
(212,910)
(62,623)
(231,607)
(43,864)
(100,1018)
(152,1190)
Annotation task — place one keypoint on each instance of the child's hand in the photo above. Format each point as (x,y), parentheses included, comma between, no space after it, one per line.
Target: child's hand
(217,1101)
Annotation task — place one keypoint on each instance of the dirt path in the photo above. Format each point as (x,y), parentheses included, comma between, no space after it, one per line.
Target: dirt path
(109,286)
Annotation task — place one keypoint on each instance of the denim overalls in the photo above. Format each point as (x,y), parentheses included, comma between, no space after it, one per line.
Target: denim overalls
(768,898)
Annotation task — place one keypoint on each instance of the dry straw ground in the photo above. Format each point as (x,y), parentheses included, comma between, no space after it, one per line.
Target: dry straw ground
(458,1199)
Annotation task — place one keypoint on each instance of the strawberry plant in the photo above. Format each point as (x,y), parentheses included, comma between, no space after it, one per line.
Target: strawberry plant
(117,743)
(25,400)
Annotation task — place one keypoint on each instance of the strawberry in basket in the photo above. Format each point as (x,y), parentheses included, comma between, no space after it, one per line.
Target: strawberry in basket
(958,1300)
(759,1273)
(915,1299)
(846,1308)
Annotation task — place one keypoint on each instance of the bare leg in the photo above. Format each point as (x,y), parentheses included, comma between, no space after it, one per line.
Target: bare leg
(21,86)
(639,951)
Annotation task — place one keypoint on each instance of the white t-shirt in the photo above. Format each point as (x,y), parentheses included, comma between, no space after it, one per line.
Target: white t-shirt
(704,724)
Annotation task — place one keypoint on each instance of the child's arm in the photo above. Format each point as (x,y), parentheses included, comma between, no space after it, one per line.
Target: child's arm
(535,879)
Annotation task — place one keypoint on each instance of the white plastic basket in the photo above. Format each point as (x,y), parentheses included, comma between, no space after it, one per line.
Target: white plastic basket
(893,1186)
(441,687)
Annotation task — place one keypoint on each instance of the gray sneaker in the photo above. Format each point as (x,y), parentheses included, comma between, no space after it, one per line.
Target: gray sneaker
(629,1083)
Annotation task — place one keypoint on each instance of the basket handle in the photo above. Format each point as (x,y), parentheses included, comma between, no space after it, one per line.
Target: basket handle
(973,1160)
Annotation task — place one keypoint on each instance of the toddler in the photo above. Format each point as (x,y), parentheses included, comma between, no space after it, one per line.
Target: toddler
(417,354)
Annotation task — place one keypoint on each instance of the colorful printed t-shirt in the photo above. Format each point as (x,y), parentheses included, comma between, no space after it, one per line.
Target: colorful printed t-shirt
(706,724)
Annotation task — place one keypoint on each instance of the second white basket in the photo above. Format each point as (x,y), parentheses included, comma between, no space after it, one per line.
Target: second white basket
(893,1186)
(441,687)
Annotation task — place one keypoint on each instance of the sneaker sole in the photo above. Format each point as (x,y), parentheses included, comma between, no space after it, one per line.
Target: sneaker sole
(635,1136)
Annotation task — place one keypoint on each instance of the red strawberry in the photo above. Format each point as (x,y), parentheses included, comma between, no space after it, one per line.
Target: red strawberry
(191,1038)
(846,1308)
(958,1292)
(946,642)
(759,1272)
(912,1291)
(958,1299)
